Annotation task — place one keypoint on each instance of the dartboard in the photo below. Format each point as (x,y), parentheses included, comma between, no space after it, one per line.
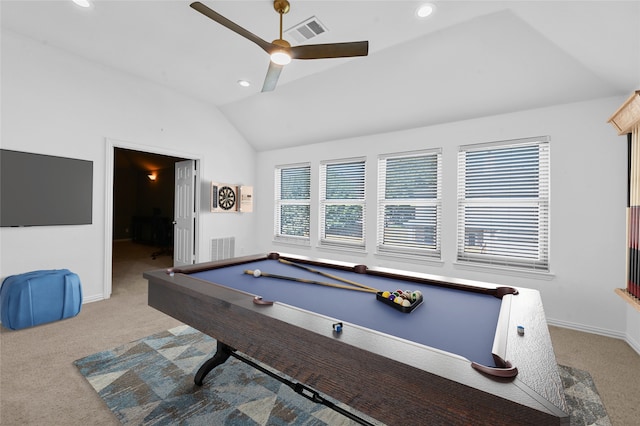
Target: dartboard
(226,198)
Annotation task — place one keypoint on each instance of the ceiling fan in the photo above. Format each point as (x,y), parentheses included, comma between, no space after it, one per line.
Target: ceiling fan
(280,50)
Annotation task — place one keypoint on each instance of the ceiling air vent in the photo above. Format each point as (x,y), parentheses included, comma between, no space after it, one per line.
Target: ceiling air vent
(306,30)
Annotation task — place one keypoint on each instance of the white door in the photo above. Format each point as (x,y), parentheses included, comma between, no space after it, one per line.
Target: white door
(184,222)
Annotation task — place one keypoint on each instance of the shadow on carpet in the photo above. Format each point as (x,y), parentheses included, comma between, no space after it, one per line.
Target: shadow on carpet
(150,382)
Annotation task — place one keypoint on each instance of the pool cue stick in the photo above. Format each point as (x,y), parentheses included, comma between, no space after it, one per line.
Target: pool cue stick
(303,280)
(325,274)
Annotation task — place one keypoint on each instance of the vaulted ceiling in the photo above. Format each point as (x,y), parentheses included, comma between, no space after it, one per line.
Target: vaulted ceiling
(469,59)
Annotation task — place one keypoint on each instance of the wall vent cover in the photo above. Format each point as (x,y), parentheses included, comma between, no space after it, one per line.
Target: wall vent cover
(306,30)
(223,248)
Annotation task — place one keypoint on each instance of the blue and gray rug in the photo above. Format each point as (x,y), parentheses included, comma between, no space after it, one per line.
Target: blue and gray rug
(585,406)
(150,382)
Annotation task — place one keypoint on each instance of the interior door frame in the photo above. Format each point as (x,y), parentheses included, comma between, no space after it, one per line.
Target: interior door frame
(110,146)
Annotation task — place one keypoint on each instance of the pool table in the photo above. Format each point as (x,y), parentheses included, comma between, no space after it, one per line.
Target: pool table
(464,353)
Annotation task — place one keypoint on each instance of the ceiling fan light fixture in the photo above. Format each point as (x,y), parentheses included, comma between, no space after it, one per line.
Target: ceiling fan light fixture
(280,57)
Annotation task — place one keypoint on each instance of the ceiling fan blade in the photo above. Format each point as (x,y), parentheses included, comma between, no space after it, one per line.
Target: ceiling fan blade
(331,50)
(271,80)
(265,45)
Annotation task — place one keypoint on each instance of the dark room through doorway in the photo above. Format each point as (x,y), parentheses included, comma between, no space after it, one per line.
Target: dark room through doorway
(143,210)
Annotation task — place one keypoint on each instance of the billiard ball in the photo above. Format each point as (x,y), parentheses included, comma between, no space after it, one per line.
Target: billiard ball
(257,273)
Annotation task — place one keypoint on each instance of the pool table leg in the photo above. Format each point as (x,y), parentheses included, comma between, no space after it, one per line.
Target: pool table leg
(223,352)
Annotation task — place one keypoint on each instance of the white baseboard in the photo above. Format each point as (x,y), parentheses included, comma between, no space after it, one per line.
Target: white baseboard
(634,344)
(596,330)
(94,298)
(586,328)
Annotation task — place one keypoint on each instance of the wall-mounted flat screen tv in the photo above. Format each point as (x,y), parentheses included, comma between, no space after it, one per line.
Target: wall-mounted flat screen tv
(44,190)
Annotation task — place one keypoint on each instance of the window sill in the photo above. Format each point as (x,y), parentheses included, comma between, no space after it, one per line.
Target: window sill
(408,258)
(629,298)
(330,248)
(539,275)
(292,242)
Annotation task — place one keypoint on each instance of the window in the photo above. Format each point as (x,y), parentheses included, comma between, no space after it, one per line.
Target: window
(342,204)
(503,204)
(409,203)
(292,204)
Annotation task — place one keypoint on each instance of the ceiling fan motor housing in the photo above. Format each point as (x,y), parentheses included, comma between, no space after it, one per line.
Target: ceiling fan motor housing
(282,43)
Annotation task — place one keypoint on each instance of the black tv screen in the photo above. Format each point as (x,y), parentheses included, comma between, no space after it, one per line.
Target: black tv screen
(44,190)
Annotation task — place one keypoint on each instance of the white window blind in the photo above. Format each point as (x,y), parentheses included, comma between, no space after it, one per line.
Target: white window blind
(503,204)
(342,204)
(409,203)
(292,203)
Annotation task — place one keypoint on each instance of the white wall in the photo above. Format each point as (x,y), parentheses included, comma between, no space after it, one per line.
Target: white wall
(633,327)
(59,104)
(588,199)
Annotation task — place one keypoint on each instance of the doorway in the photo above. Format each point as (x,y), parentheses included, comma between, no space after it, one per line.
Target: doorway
(139,220)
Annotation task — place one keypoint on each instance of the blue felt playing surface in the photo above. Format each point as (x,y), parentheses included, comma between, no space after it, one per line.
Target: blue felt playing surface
(455,321)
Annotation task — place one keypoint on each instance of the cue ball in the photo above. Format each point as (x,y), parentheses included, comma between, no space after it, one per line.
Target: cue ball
(257,273)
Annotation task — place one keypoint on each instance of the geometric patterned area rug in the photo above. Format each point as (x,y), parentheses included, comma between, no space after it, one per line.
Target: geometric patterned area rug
(150,382)
(585,406)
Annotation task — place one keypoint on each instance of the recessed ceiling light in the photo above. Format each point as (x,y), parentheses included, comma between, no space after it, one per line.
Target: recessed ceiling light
(82,3)
(244,83)
(425,10)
